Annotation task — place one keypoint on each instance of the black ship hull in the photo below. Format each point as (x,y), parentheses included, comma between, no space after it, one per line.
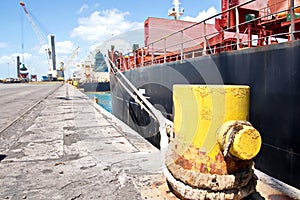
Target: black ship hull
(273,74)
(95,87)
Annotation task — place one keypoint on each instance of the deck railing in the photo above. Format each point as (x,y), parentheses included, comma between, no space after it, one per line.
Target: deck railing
(177,46)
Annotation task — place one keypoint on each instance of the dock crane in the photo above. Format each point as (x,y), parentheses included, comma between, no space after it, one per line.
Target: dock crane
(53,74)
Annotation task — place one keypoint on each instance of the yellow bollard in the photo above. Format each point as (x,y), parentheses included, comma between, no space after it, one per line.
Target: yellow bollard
(213,141)
(75,83)
(240,138)
(200,110)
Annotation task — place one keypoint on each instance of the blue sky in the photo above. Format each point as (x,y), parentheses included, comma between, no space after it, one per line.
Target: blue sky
(78,23)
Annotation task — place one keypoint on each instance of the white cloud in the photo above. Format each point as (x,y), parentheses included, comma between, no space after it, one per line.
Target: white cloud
(24,55)
(82,8)
(12,58)
(99,26)
(203,15)
(5,59)
(65,47)
(122,42)
(63,52)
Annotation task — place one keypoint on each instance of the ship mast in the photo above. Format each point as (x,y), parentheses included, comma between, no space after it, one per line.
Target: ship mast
(176,11)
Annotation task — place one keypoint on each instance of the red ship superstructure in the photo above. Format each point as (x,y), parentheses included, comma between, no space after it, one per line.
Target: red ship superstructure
(241,24)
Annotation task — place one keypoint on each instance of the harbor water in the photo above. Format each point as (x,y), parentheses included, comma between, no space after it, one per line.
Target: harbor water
(104,99)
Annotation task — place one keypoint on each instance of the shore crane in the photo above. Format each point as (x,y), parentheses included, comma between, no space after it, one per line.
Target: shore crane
(50,52)
(64,66)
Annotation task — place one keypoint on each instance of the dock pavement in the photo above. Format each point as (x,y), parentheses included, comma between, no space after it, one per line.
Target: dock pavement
(71,148)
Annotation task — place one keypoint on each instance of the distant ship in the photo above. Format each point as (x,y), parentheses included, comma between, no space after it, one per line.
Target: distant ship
(255,44)
(94,74)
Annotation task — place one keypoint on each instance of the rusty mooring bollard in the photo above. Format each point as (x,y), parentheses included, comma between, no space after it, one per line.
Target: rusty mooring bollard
(211,156)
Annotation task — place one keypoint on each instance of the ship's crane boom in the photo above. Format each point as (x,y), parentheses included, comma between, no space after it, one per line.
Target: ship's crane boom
(64,66)
(71,58)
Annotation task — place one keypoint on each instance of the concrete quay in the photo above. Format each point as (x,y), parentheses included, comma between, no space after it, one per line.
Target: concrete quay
(71,148)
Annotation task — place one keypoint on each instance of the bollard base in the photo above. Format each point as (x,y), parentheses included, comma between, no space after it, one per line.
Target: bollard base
(189,184)
(187,192)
